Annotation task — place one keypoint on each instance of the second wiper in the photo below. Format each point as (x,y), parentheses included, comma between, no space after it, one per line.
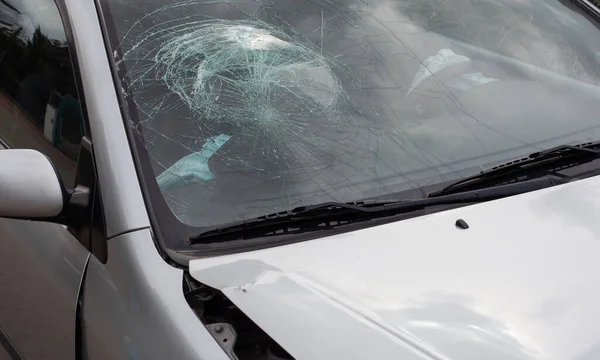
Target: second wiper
(564,155)
(333,214)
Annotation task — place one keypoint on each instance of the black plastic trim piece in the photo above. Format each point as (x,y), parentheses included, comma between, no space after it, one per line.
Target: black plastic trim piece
(130,231)
(9,347)
(79,340)
(91,231)
(589,8)
(461,224)
(98,237)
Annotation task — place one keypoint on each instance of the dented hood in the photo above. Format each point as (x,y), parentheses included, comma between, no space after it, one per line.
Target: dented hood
(523,282)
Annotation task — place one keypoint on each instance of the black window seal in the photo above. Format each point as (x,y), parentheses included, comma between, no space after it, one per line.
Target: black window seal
(589,8)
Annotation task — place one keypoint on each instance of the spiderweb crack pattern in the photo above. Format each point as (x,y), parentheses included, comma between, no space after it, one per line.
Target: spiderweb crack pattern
(274,93)
(247,74)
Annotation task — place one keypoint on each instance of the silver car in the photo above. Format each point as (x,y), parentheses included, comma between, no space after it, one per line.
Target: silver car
(299,179)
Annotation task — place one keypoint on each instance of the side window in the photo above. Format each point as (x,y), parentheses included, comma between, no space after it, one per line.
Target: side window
(39,103)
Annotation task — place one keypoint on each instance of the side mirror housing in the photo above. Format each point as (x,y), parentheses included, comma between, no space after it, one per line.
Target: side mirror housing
(30,186)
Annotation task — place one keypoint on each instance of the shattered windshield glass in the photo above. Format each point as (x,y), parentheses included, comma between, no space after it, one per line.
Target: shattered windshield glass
(249,107)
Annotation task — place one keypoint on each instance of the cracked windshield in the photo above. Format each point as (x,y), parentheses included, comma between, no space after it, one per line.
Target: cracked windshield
(250,107)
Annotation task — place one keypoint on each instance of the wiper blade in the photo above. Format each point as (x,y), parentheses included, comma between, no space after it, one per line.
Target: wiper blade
(333,214)
(575,154)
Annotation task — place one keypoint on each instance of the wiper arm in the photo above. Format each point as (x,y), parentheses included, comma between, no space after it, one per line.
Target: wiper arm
(332,214)
(576,154)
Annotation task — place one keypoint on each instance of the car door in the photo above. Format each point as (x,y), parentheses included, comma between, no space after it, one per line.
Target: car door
(41,264)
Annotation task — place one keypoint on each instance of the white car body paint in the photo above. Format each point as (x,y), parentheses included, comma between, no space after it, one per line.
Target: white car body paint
(521,283)
(29,185)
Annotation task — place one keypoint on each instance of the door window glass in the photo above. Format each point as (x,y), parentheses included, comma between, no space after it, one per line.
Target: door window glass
(39,102)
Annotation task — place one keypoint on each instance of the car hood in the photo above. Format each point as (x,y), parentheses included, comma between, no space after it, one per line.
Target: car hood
(522,282)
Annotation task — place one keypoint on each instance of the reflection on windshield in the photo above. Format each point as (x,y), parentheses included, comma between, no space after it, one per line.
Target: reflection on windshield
(250,107)
(28,16)
(530,30)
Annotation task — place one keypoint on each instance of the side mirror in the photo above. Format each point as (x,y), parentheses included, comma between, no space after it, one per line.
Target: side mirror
(30,187)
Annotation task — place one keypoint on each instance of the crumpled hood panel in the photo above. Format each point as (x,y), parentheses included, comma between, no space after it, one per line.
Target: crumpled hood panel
(523,282)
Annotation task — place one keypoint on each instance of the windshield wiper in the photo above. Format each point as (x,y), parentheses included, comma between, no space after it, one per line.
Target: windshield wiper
(564,155)
(498,182)
(333,214)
